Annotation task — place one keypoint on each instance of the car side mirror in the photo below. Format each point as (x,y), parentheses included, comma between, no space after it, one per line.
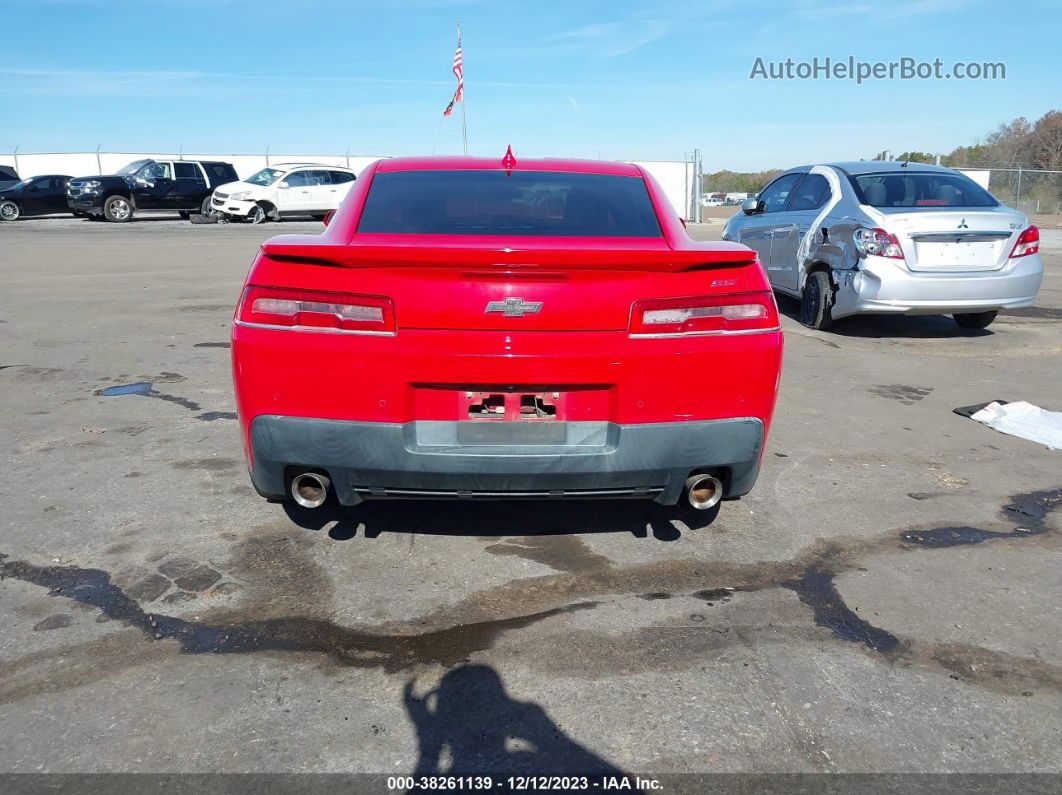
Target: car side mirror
(283,186)
(328,217)
(751,206)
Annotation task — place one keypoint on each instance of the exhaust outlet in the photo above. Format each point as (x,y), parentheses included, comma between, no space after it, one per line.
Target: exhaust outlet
(703,491)
(310,489)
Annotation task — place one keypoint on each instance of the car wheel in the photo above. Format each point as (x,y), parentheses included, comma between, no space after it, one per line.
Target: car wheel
(9,211)
(184,214)
(975,319)
(816,301)
(206,208)
(258,215)
(117,209)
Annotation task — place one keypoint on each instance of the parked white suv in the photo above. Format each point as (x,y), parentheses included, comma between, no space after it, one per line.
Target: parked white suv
(282,190)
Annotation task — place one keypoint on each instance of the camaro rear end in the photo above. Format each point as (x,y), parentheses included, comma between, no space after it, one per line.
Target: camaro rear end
(474,328)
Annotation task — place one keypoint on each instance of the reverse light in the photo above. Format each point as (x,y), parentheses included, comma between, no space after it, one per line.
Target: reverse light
(311,310)
(877,243)
(1028,242)
(709,314)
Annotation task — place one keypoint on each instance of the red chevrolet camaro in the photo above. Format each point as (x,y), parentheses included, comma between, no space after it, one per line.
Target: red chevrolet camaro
(472,328)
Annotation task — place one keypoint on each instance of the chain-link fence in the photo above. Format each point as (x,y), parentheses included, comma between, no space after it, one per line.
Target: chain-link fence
(1029,190)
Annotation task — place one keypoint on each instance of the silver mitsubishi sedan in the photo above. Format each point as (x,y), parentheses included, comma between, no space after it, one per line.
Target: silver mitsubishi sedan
(888,237)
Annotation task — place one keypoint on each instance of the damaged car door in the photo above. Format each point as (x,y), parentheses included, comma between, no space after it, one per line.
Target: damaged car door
(759,224)
(793,223)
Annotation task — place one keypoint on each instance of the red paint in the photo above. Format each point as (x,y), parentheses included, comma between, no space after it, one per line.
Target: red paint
(434,290)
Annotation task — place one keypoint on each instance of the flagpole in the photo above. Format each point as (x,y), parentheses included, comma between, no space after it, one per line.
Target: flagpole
(464,127)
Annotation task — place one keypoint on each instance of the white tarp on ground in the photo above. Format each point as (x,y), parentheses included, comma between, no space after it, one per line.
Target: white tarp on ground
(1024,420)
(675,176)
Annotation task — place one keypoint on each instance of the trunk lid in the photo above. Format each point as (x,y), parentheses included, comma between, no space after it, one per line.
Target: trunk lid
(539,285)
(956,240)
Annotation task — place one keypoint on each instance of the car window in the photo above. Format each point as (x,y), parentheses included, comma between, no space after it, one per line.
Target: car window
(920,189)
(297,179)
(187,171)
(341,177)
(314,178)
(220,172)
(154,171)
(493,202)
(811,194)
(773,197)
(42,184)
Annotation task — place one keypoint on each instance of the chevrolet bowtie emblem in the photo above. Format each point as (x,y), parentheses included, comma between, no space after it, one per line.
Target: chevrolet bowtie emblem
(514,307)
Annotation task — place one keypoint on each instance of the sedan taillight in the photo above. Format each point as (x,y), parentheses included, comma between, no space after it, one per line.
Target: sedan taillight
(1028,242)
(709,314)
(878,243)
(311,310)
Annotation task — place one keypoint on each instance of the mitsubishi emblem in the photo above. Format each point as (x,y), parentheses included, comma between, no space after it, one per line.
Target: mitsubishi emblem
(962,224)
(514,307)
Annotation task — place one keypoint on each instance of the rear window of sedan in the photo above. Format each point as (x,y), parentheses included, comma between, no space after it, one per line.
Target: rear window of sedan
(534,203)
(920,189)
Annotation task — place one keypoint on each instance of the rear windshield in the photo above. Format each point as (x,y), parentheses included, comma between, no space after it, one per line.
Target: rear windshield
(920,189)
(470,202)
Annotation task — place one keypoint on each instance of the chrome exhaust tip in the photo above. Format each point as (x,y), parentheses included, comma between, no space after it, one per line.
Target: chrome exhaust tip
(703,491)
(309,489)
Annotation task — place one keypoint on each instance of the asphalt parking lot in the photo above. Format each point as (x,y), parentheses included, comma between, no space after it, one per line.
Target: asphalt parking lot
(886,599)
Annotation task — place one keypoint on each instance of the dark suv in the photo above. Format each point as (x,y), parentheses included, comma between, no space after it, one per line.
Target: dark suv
(183,186)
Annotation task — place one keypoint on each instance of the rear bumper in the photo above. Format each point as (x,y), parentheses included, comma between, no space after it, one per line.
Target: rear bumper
(882,286)
(504,459)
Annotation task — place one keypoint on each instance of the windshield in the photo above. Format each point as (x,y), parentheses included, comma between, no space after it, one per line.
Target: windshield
(472,202)
(920,189)
(267,176)
(133,167)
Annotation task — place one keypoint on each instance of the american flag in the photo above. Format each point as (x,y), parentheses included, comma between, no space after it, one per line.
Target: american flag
(459,73)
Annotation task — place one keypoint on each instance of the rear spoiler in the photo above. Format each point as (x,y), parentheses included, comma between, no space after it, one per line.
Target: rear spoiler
(640,255)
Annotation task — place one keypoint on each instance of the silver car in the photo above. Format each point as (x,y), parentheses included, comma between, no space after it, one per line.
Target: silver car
(889,237)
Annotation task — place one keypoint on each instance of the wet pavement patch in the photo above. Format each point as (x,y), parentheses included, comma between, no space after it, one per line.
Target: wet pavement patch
(713,595)
(146,389)
(907,395)
(58,621)
(817,590)
(449,635)
(348,647)
(210,416)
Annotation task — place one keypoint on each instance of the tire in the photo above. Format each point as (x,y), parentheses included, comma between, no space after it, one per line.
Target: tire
(9,211)
(816,301)
(976,319)
(184,214)
(206,208)
(199,218)
(117,209)
(258,215)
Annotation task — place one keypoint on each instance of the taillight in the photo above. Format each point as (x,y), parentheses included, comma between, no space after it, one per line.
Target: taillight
(1028,242)
(313,310)
(878,243)
(708,314)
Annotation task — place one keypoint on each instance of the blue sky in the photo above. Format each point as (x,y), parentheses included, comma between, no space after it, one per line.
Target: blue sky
(623,79)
